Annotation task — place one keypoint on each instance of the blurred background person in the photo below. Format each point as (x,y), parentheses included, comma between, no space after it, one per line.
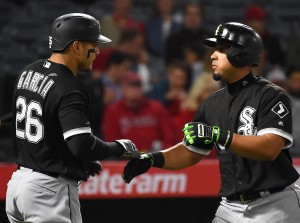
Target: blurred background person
(191,31)
(293,81)
(135,117)
(131,42)
(173,88)
(105,88)
(118,64)
(194,54)
(204,86)
(160,26)
(293,88)
(293,48)
(273,56)
(120,20)
(95,91)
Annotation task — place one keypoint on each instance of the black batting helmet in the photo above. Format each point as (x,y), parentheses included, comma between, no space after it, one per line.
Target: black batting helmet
(74,26)
(246,44)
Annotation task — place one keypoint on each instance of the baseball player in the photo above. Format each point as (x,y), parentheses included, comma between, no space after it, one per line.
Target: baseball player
(249,122)
(54,145)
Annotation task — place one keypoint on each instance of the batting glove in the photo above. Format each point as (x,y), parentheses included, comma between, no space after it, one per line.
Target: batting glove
(201,135)
(139,166)
(130,150)
(91,168)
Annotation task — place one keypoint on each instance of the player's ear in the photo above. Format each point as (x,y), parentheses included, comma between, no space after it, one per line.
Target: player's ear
(76,47)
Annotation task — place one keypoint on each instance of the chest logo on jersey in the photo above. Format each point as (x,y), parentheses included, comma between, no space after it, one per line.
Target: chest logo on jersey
(280,109)
(247,128)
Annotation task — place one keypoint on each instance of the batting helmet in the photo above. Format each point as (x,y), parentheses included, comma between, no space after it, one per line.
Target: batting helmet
(246,44)
(74,26)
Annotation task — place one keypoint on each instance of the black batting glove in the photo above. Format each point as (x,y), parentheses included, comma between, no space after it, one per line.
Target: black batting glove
(130,150)
(139,166)
(93,168)
(203,136)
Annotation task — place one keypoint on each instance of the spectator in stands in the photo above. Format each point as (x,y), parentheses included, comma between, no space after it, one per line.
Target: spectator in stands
(120,20)
(160,26)
(104,88)
(131,43)
(135,117)
(273,55)
(194,54)
(293,75)
(200,90)
(118,64)
(293,48)
(172,90)
(192,31)
(95,90)
(293,87)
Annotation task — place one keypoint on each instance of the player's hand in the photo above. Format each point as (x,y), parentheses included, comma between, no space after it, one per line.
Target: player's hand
(130,150)
(93,168)
(203,136)
(137,167)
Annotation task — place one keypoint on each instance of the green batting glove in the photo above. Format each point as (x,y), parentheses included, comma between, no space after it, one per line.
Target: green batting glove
(201,135)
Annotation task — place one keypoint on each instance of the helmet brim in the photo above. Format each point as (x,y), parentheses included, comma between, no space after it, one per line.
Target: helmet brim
(103,39)
(211,42)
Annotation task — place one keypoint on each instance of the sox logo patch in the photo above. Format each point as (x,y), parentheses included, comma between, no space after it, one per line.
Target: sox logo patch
(280,110)
(246,118)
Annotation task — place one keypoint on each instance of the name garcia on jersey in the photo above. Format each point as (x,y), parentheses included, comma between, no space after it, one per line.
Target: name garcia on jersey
(35,82)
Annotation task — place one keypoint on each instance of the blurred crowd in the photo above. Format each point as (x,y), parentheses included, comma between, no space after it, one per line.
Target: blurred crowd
(155,74)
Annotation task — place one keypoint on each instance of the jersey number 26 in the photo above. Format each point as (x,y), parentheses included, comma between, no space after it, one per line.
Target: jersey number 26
(34,129)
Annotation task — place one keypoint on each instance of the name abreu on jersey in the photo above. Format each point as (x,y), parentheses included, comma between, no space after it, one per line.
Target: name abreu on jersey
(35,82)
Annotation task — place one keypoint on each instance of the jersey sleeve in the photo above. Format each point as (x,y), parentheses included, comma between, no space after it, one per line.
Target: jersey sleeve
(275,116)
(73,114)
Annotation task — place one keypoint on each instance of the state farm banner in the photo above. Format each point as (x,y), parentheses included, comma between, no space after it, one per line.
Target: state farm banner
(201,180)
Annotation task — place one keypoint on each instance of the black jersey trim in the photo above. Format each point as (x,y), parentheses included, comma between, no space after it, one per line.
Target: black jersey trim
(194,149)
(279,132)
(77,131)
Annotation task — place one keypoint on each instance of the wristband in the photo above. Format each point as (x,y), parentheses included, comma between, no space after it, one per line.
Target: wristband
(158,159)
(225,139)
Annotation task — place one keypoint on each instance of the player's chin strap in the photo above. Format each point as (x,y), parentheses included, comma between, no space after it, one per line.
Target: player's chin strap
(89,52)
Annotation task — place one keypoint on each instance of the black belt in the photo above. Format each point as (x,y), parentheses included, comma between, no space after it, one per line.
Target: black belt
(51,174)
(251,196)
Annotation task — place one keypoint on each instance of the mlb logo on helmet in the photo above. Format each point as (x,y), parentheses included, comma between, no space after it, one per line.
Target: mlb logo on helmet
(50,42)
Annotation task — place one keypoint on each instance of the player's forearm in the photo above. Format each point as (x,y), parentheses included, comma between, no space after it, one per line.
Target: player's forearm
(178,157)
(89,147)
(265,147)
